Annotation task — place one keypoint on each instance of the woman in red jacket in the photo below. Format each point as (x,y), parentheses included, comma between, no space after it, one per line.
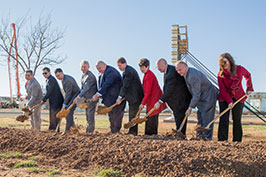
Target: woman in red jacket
(230,84)
(152,93)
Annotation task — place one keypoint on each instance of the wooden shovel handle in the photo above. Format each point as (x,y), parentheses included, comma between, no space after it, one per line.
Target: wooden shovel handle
(151,111)
(116,104)
(138,113)
(71,106)
(36,106)
(183,123)
(227,109)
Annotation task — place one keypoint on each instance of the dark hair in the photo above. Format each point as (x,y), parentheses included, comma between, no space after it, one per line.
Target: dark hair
(29,71)
(46,68)
(58,70)
(121,60)
(144,62)
(231,61)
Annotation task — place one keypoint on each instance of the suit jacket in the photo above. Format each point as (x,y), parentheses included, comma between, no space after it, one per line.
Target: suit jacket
(88,85)
(152,92)
(176,93)
(71,89)
(204,94)
(131,86)
(34,92)
(53,93)
(110,85)
(231,86)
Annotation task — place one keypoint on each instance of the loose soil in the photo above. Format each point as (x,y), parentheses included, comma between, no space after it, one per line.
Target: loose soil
(137,155)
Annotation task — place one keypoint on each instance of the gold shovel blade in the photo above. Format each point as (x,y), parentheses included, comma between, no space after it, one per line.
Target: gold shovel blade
(62,114)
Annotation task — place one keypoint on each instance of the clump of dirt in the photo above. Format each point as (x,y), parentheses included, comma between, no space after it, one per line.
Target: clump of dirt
(150,155)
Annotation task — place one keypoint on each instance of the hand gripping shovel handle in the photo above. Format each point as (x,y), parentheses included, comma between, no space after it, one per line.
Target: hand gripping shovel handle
(227,109)
(116,103)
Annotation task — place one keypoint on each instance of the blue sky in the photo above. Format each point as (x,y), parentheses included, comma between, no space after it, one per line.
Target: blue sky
(107,29)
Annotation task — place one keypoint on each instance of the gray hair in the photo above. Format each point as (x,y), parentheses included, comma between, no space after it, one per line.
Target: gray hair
(84,62)
(180,62)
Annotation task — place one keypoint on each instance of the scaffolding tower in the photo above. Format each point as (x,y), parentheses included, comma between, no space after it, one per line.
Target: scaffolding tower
(179,42)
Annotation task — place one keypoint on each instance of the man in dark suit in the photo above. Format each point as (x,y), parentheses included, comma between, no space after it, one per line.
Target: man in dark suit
(110,83)
(176,93)
(53,93)
(88,89)
(131,89)
(71,89)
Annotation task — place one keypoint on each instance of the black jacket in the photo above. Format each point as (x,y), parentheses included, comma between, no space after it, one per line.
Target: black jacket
(53,93)
(176,93)
(132,88)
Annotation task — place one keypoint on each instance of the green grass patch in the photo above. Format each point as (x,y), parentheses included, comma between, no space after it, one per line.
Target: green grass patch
(12,155)
(54,172)
(109,173)
(255,127)
(25,164)
(32,158)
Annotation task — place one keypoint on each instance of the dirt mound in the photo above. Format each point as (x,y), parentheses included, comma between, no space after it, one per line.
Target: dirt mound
(150,155)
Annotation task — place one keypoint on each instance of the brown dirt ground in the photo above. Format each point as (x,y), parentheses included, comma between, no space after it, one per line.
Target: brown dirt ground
(149,155)
(79,155)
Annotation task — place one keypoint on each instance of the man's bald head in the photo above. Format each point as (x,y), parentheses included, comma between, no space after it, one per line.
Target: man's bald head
(161,64)
(181,67)
(101,67)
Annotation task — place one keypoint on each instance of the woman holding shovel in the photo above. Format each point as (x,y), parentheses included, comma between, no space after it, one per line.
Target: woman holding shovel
(229,80)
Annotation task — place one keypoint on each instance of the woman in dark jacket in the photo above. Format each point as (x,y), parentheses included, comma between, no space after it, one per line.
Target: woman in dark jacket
(230,84)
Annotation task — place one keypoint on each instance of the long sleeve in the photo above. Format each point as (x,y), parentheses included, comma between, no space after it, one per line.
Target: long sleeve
(195,91)
(247,76)
(68,91)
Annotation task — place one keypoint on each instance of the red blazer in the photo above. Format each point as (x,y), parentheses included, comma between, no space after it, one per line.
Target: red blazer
(232,86)
(152,92)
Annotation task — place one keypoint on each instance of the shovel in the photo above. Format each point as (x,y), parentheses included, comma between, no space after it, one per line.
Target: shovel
(202,129)
(178,132)
(105,110)
(132,123)
(27,112)
(63,113)
(82,103)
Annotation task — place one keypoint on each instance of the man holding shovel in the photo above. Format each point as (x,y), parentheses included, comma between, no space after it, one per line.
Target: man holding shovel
(110,82)
(53,93)
(71,89)
(204,96)
(34,94)
(88,89)
(176,93)
(131,89)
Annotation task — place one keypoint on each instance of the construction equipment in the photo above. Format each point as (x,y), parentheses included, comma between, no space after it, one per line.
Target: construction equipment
(105,110)
(27,112)
(134,122)
(64,112)
(14,40)
(82,103)
(202,129)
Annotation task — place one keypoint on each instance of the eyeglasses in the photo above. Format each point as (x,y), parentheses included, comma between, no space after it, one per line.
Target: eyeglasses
(44,73)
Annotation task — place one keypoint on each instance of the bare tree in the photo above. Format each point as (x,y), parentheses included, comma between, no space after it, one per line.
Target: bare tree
(36,44)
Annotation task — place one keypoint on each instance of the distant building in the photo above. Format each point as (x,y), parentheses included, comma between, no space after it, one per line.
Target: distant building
(258,100)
